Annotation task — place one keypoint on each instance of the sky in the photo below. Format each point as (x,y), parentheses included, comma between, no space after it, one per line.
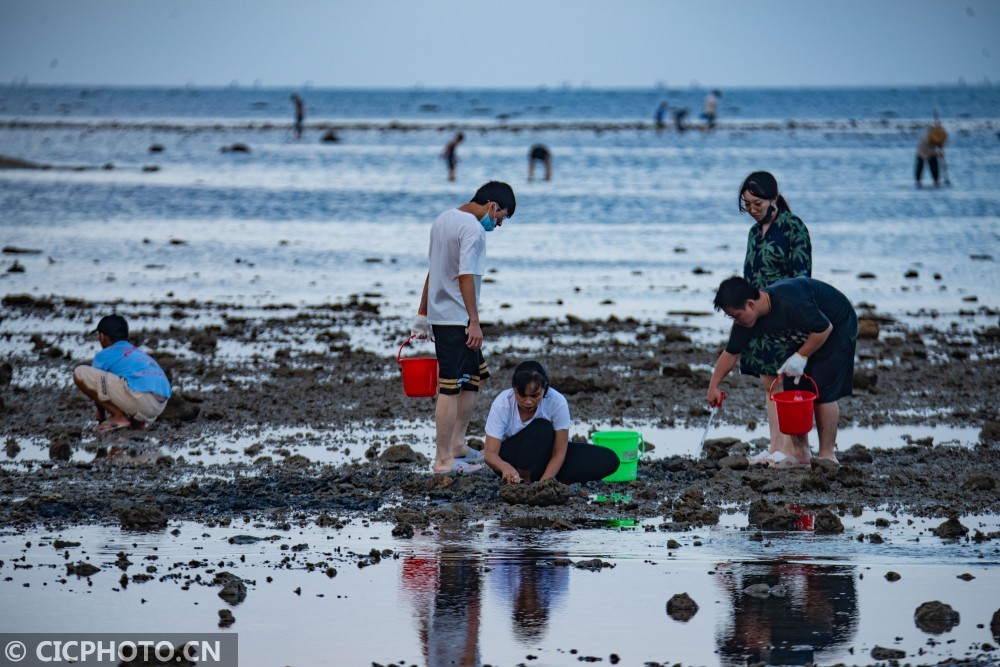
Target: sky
(500,44)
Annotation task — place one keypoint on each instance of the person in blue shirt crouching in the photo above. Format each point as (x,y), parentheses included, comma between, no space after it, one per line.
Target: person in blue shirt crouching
(127,386)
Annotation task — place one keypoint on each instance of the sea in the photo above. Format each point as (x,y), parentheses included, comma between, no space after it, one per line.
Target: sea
(146,200)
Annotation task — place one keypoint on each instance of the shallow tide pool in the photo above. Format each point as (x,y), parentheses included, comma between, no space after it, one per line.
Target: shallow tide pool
(500,594)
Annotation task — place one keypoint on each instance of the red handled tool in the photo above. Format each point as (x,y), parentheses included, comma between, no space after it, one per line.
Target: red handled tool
(715,409)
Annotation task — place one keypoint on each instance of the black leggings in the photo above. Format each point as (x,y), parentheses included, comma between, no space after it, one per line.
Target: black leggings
(932,162)
(531,448)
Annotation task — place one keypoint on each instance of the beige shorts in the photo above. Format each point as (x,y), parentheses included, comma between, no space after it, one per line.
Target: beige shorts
(139,405)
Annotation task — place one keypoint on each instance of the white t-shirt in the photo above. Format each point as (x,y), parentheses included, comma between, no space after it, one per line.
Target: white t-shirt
(458,247)
(504,420)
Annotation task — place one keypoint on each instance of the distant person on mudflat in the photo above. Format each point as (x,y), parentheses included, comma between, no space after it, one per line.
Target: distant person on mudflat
(931,150)
(127,386)
(448,314)
(659,119)
(450,156)
(823,328)
(778,246)
(539,153)
(711,108)
(300,114)
(527,435)
(680,116)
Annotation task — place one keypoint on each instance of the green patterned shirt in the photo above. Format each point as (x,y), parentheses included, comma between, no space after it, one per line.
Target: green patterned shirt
(784,252)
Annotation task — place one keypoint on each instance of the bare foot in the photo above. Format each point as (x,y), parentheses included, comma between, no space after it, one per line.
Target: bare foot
(111,425)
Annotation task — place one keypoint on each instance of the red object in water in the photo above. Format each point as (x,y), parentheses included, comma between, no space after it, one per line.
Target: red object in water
(805,521)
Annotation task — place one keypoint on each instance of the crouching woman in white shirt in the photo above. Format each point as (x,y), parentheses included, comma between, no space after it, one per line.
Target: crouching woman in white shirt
(527,435)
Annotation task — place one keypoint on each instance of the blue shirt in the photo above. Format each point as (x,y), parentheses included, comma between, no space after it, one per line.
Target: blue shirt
(138,369)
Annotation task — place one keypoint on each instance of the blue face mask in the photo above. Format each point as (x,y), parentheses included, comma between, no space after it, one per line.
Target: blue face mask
(488,223)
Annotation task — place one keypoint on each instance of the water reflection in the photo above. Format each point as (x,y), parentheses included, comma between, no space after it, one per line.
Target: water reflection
(444,589)
(784,613)
(533,586)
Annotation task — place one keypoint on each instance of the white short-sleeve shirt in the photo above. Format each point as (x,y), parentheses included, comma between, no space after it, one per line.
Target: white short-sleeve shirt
(457,247)
(504,420)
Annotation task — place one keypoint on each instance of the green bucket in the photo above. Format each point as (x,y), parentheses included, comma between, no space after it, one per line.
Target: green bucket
(628,445)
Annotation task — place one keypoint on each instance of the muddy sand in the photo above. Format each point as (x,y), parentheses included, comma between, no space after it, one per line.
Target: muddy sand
(332,369)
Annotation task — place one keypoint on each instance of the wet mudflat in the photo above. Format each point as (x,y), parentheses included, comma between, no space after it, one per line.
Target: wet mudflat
(290,453)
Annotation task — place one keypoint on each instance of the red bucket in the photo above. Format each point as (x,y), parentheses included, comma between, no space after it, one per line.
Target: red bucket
(420,374)
(795,408)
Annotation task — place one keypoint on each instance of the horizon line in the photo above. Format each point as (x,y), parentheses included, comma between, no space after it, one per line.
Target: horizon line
(538,88)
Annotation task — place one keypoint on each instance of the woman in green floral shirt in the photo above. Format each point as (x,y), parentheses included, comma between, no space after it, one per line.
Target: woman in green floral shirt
(778,247)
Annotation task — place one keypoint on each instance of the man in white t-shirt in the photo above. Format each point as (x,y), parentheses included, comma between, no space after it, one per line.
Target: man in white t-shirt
(449,315)
(711,108)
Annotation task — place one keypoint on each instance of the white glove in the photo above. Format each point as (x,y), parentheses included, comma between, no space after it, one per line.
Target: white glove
(794,366)
(421,328)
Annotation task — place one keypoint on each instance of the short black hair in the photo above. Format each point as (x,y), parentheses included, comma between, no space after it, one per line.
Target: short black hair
(496,191)
(528,373)
(734,293)
(114,327)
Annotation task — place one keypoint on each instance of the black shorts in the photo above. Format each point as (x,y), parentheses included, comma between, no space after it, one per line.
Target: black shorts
(833,372)
(459,368)
(539,153)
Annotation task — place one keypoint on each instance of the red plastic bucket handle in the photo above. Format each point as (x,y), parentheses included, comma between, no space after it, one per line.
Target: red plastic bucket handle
(399,355)
(770,392)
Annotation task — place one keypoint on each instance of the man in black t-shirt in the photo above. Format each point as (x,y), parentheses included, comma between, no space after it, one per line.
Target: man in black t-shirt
(810,317)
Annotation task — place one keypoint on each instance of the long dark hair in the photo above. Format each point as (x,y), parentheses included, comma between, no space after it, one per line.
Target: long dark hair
(528,373)
(764,185)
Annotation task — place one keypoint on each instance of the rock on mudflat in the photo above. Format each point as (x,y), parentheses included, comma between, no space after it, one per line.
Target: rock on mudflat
(769,516)
(952,528)
(82,569)
(399,454)
(179,409)
(681,607)
(827,523)
(935,617)
(868,328)
(883,653)
(539,494)
(404,530)
(990,432)
(593,564)
(234,591)
(143,518)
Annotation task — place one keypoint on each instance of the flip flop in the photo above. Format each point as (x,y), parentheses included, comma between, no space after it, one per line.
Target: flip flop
(460,467)
(108,425)
(474,456)
(779,460)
